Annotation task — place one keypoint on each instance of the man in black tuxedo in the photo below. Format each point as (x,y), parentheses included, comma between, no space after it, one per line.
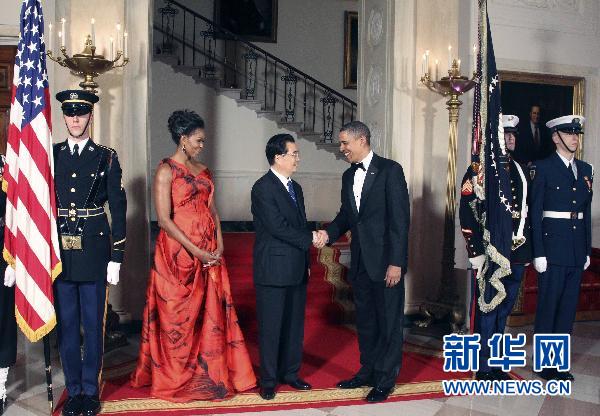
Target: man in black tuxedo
(281,262)
(375,207)
(534,142)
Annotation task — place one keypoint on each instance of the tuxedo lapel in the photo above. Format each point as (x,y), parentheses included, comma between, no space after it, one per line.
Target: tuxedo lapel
(350,192)
(369,179)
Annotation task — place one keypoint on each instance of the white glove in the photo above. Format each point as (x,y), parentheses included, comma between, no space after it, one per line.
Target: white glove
(540,264)
(112,272)
(477,262)
(587,263)
(10,276)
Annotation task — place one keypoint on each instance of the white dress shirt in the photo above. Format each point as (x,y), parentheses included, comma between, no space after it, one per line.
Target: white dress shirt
(568,162)
(81,144)
(359,179)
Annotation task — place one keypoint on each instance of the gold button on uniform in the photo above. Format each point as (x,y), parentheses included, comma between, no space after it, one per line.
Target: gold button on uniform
(574,189)
(74,175)
(72,204)
(574,202)
(72,189)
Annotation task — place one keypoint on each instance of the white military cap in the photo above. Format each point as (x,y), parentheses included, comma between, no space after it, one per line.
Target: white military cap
(569,124)
(509,123)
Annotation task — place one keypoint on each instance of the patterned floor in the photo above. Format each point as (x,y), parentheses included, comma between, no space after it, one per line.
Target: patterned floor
(27,387)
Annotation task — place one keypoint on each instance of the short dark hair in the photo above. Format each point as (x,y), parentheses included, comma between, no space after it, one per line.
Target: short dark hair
(357,128)
(277,145)
(184,123)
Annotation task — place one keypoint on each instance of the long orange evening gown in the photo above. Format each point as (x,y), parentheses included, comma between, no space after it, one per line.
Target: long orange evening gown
(191,346)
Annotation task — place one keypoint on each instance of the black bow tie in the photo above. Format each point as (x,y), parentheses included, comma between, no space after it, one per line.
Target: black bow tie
(356,166)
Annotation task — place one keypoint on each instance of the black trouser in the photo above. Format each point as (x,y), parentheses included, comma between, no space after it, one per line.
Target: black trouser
(493,322)
(280,312)
(558,295)
(8,323)
(380,325)
(80,303)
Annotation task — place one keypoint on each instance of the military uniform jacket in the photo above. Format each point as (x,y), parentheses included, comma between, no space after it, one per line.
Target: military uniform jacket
(470,211)
(564,242)
(74,178)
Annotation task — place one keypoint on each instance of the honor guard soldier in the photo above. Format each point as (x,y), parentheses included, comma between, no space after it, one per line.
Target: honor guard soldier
(561,198)
(87,175)
(493,322)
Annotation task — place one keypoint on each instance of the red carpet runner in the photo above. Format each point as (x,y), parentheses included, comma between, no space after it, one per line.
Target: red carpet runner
(330,350)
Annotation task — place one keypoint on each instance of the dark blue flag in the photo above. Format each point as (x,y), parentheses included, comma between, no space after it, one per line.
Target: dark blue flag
(489,161)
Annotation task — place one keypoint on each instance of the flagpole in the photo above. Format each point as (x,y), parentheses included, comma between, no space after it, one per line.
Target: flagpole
(48,373)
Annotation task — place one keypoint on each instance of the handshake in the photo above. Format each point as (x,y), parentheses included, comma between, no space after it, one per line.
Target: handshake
(320,238)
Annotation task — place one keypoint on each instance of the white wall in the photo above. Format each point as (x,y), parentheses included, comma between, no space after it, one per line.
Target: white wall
(310,36)
(235,147)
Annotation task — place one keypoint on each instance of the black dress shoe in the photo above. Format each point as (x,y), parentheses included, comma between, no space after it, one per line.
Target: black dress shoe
(267,393)
(73,406)
(485,375)
(91,406)
(547,374)
(500,375)
(565,375)
(353,383)
(299,384)
(379,394)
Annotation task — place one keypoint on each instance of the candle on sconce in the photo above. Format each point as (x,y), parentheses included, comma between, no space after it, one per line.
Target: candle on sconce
(427,61)
(112,49)
(64,34)
(125,36)
(93,22)
(437,69)
(423,65)
(50,37)
(449,56)
(458,66)
(119,43)
(60,42)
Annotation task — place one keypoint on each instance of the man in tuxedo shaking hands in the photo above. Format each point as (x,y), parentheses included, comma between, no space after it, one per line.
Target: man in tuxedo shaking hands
(281,261)
(375,207)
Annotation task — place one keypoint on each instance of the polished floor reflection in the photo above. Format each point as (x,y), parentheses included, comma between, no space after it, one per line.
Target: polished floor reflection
(27,386)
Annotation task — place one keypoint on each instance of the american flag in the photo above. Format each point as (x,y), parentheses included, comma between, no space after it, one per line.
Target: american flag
(30,236)
(492,181)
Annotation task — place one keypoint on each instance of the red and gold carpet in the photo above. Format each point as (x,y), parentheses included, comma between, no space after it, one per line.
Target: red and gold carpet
(330,349)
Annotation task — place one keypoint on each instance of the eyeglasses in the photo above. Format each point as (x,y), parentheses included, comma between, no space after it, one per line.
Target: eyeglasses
(295,155)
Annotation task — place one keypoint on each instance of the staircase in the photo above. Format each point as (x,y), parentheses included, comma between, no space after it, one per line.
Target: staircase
(195,46)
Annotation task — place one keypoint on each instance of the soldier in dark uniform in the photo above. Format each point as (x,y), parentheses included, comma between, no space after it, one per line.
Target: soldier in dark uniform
(87,175)
(8,323)
(561,199)
(490,323)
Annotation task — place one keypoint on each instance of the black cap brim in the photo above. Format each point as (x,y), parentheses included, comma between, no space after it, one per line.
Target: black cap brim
(76,109)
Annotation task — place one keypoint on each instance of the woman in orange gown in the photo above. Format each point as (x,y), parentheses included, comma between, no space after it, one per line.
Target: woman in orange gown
(191,345)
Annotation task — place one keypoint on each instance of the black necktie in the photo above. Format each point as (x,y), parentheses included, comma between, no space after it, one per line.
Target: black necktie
(75,153)
(359,165)
(536,136)
(572,171)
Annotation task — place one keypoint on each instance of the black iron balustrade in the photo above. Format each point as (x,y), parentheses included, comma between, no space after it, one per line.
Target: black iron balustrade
(225,53)
(290,81)
(167,19)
